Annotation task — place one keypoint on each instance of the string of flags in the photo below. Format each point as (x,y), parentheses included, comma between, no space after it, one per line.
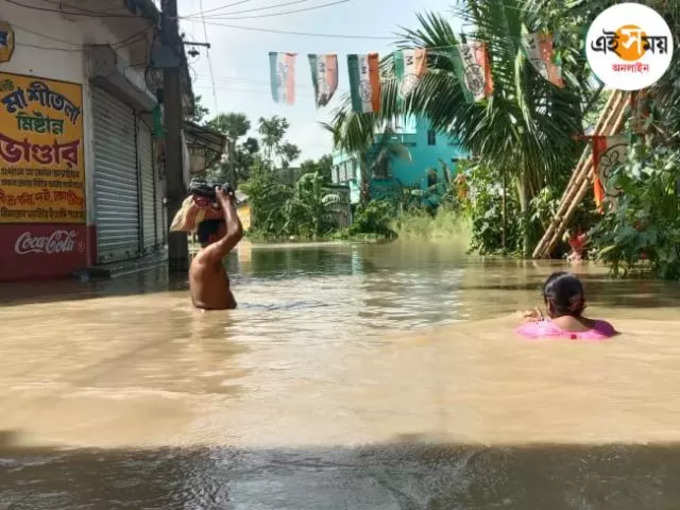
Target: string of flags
(470,62)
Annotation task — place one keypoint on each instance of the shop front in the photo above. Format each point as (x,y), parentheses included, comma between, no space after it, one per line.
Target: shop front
(42,174)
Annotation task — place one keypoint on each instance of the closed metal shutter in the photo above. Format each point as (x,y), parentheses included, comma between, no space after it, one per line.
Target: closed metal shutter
(161,214)
(161,220)
(115,176)
(148,185)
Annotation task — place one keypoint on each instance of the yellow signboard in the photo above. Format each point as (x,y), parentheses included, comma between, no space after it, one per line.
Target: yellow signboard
(42,166)
(6,41)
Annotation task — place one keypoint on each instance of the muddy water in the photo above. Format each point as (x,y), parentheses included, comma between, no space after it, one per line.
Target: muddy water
(350,377)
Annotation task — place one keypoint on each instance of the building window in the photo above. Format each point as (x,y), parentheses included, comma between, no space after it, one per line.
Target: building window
(337,175)
(431,137)
(354,169)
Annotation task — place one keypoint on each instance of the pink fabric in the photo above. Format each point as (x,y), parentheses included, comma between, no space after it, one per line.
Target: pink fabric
(548,329)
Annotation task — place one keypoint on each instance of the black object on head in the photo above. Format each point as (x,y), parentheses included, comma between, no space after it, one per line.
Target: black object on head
(203,188)
(563,294)
(207,228)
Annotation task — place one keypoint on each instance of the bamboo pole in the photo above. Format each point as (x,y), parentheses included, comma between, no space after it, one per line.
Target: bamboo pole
(613,110)
(580,172)
(562,225)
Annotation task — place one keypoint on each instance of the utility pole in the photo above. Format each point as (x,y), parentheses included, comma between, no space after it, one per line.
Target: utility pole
(178,252)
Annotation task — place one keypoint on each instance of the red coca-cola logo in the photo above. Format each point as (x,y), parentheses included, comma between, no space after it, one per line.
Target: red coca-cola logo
(60,241)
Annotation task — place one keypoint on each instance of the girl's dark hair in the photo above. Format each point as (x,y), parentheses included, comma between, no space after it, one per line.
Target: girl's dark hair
(563,295)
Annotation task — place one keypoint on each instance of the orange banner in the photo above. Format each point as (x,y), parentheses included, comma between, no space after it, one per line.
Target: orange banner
(42,167)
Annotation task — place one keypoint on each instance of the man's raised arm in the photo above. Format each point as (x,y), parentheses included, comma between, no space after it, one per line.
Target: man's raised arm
(221,248)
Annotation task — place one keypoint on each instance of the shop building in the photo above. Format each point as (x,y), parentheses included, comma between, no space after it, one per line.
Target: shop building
(82,179)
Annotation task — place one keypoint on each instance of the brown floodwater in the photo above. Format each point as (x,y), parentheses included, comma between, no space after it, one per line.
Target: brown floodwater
(351,376)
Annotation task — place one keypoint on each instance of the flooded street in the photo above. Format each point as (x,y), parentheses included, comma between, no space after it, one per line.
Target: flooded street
(351,376)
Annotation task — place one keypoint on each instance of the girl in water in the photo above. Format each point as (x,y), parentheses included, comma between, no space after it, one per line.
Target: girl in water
(565,302)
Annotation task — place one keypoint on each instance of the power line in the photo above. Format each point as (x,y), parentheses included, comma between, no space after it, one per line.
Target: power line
(207,54)
(252,91)
(128,41)
(258,16)
(240,2)
(305,34)
(246,82)
(283,4)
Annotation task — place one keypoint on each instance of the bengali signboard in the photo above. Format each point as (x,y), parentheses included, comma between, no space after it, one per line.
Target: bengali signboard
(42,168)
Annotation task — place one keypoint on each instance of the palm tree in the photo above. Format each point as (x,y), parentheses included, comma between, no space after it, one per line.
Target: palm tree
(524,130)
(233,126)
(272,132)
(387,147)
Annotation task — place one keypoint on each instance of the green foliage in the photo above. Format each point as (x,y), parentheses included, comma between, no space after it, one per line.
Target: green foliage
(272,132)
(235,166)
(278,210)
(447,224)
(288,152)
(485,209)
(267,197)
(374,217)
(199,112)
(643,231)
(309,212)
(324,166)
(231,125)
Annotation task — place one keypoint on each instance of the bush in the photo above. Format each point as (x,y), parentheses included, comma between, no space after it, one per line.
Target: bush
(447,224)
(267,197)
(642,232)
(485,208)
(279,210)
(375,217)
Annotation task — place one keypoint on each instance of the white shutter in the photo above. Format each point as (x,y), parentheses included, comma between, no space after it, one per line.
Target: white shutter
(148,203)
(116,181)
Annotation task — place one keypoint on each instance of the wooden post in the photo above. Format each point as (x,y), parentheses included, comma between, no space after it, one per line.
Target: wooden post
(178,253)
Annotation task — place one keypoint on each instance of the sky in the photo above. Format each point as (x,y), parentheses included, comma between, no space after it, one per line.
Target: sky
(240,61)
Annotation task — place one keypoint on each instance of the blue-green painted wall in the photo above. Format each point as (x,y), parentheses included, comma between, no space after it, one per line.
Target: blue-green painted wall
(424,157)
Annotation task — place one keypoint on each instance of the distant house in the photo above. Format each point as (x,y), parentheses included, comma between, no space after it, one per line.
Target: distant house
(428,149)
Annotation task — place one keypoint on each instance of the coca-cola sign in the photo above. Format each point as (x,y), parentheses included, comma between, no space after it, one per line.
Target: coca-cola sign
(59,241)
(30,251)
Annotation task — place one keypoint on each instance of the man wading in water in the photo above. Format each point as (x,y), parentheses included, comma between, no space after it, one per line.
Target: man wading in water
(207,277)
